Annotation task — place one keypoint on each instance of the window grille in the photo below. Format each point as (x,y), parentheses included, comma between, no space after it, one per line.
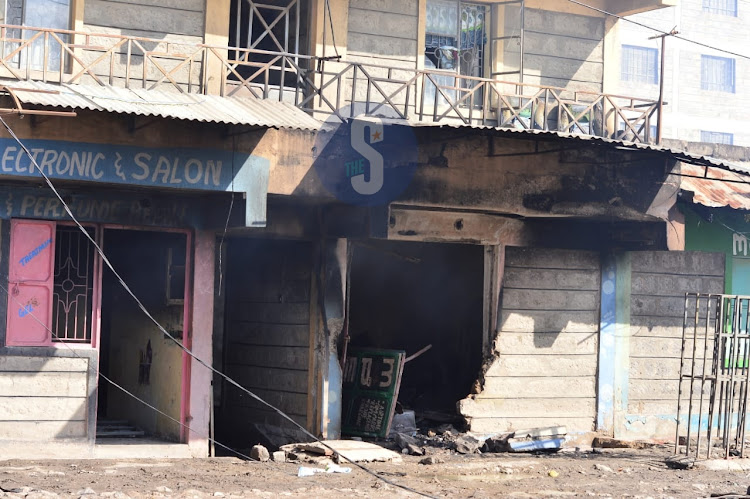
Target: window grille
(73,285)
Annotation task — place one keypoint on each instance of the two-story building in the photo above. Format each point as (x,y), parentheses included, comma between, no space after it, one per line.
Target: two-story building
(704,82)
(280,181)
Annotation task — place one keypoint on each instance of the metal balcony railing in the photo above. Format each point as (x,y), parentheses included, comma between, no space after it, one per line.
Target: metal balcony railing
(323,87)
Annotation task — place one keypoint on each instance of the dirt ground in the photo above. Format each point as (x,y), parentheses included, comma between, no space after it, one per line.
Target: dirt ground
(609,473)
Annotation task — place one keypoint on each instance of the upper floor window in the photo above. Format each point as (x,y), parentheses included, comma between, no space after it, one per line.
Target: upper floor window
(454,45)
(725,7)
(639,64)
(264,28)
(53,14)
(717,137)
(717,73)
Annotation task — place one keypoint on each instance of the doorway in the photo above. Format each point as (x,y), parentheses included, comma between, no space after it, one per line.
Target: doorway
(134,353)
(408,296)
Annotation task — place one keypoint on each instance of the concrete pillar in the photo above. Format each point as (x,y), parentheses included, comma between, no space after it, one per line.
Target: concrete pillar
(332,270)
(202,338)
(217,35)
(676,230)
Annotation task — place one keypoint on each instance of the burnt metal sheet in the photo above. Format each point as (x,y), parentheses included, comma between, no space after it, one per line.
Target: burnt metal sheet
(183,106)
(590,139)
(718,189)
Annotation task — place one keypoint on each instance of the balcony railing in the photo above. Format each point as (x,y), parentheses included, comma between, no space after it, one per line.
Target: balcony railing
(322,87)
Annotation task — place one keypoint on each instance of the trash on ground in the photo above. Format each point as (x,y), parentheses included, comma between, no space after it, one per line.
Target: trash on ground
(550,438)
(331,468)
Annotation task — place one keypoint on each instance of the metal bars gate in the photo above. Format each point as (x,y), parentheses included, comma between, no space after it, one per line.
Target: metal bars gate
(714,377)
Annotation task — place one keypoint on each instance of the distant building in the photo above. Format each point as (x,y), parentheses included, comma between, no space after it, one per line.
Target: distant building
(706,90)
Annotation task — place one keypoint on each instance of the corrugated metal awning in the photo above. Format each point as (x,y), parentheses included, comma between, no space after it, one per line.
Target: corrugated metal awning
(714,182)
(677,154)
(716,188)
(181,106)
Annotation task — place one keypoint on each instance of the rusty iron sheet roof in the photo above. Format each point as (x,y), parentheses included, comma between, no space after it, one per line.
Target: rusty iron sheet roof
(182,106)
(718,189)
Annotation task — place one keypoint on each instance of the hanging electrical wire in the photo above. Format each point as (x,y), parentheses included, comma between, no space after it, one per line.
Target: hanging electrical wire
(333,32)
(642,25)
(167,334)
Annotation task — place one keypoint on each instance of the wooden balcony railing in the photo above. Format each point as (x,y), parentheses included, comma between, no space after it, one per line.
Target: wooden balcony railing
(323,87)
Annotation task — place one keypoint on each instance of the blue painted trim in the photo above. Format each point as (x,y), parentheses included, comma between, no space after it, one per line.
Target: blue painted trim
(607,352)
(184,168)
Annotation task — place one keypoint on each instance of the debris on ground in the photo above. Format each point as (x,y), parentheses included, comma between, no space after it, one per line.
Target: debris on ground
(260,453)
(450,475)
(430,460)
(466,444)
(537,439)
(497,444)
(317,448)
(353,450)
(616,443)
(604,468)
(445,429)
(408,444)
(279,456)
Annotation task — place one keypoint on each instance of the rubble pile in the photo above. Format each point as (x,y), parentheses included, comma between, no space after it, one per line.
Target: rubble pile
(408,439)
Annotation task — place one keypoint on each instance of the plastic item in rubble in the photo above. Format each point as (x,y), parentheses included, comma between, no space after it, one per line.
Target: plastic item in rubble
(403,423)
(330,468)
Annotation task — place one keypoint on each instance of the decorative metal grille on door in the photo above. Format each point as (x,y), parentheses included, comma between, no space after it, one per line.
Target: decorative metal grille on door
(74,286)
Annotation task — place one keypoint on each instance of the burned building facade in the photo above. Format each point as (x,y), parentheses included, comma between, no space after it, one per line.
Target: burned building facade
(530,241)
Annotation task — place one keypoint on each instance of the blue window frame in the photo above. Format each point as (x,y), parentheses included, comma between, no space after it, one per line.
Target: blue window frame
(724,7)
(717,137)
(640,64)
(717,73)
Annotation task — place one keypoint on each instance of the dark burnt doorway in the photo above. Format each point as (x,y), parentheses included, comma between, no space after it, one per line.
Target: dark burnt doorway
(405,296)
(134,353)
(266,293)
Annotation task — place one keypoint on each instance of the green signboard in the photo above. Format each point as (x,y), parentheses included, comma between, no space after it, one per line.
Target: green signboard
(370,390)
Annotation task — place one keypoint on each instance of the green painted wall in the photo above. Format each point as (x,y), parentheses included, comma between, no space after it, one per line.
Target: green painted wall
(718,235)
